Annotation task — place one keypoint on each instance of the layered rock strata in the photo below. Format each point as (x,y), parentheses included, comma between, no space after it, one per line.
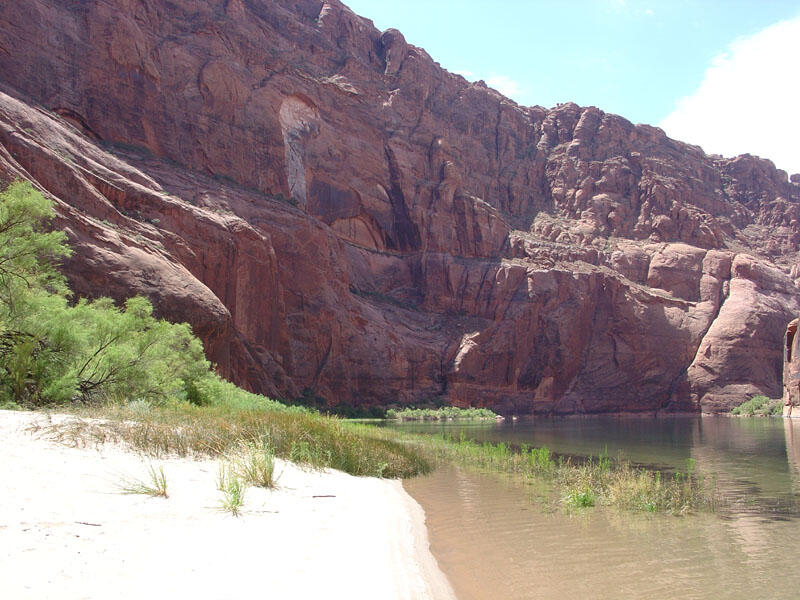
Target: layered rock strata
(334,213)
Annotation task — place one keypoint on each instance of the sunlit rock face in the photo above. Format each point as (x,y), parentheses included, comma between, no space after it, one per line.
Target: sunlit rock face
(332,211)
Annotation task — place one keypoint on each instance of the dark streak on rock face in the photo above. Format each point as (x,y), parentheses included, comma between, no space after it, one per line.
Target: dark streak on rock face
(330,209)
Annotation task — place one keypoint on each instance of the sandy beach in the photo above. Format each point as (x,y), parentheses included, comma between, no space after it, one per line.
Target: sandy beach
(67,532)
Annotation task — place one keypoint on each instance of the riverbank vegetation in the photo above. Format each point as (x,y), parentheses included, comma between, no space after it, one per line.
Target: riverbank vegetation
(219,430)
(128,377)
(444,413)
(318,441)
(759,406)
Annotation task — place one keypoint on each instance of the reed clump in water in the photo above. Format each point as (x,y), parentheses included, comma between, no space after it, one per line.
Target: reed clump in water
(579,483)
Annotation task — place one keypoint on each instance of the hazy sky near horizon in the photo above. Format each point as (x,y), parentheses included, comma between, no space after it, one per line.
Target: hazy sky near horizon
(719,73)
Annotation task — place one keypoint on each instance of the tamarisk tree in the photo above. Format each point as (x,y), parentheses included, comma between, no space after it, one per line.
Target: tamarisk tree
(54,349)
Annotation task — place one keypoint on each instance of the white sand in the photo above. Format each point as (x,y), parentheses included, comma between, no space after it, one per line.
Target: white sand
(66,532)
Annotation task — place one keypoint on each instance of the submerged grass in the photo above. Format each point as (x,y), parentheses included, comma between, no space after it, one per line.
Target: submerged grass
(579,483)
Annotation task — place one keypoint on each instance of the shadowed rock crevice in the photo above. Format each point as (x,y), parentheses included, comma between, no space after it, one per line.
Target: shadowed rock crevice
(405,234)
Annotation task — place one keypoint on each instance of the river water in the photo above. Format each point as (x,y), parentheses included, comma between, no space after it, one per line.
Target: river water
(495,538)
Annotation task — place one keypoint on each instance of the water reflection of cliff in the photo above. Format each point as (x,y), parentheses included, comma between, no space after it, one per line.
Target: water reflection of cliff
(791,428)
(748,459)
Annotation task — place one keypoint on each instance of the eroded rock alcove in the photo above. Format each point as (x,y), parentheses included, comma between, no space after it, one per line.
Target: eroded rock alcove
(299,119)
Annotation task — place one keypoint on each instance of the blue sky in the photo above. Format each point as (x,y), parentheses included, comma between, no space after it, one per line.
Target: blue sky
(643,59)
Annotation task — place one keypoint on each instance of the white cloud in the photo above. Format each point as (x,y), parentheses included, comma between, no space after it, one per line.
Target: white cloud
(748,100)
(505,85)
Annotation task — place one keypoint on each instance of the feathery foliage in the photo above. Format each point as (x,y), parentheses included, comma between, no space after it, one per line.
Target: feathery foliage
(52,352)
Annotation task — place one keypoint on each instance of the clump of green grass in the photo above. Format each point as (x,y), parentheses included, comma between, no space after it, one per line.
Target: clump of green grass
(232,488)
(759,406)
(304,453)
(155,485)
(444,413)
(583,498)
(649,491)
(254,464)
(539,459)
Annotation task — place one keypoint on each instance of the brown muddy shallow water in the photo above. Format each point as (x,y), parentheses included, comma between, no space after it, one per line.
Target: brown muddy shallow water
(494,538)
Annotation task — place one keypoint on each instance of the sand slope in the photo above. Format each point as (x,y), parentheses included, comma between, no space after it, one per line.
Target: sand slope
(66,532)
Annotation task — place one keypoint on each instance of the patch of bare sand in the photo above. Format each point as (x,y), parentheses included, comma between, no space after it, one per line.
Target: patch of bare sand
(66,532)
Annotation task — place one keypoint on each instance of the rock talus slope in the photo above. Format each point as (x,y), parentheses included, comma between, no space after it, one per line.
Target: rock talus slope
(334,212)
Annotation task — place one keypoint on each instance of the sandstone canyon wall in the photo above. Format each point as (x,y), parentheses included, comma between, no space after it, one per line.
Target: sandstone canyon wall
(332,211)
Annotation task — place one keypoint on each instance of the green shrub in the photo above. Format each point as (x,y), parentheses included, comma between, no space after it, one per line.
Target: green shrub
(444,413)
(759,406)
(53,352)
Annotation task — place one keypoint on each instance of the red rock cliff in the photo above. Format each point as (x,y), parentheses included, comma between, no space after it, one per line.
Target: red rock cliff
(332,210)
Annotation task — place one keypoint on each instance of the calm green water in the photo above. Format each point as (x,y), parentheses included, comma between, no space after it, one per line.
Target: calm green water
(494,541)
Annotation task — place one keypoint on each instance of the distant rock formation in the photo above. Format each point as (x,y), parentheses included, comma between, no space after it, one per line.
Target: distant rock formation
(336,214)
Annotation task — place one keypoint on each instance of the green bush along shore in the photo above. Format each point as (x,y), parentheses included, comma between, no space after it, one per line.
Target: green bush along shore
(759,406)
(444,413)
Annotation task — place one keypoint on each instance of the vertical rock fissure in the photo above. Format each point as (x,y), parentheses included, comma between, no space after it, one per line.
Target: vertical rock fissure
(405,234)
